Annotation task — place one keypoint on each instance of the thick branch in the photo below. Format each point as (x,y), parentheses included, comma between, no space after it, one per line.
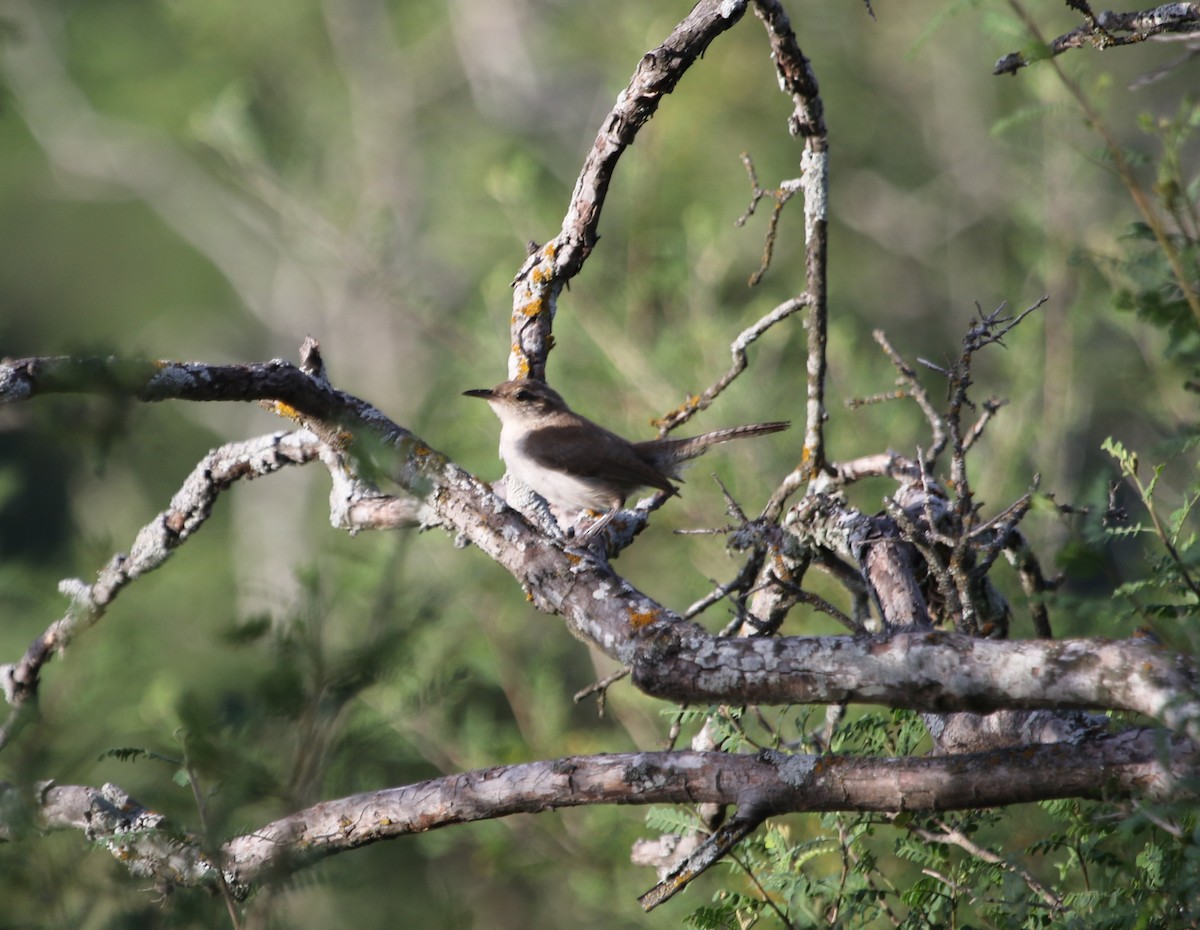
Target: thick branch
(924,671)
(677,660)
(1142,762)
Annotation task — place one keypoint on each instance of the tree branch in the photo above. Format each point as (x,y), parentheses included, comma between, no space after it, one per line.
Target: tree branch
(154,544)
(925,671)
(669,657)
(796,77)
(1100,30)
(1145,762)
(549,267)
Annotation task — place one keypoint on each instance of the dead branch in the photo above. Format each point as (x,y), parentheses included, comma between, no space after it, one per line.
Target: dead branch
(796,77)
(747,337)
(1104,30)
(549,267)
(779,196)
(1145,762)
(189,509)
(671,658)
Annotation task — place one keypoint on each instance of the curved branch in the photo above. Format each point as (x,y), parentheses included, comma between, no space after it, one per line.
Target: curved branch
(154,544)
(549,267)
(1142,762)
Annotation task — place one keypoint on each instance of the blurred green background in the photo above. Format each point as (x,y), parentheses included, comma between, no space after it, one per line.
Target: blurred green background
(209,180)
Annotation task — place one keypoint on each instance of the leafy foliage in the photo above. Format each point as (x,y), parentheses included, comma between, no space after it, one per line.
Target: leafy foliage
(383,200)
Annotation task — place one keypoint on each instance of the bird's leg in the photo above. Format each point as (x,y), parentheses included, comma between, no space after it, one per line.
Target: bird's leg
(600,524)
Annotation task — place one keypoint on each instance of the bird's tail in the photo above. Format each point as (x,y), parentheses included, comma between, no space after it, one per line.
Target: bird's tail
(665,454)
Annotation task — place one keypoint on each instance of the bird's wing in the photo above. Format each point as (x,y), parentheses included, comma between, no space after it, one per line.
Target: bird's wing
(564,449)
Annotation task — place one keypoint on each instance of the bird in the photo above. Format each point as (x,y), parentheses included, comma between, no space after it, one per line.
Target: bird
(577,465)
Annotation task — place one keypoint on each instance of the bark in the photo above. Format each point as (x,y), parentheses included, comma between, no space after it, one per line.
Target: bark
(1148,763)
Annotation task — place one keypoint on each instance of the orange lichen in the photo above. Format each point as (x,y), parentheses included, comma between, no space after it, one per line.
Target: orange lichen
(687,406)
(643,618)
(531,308)
(287,411)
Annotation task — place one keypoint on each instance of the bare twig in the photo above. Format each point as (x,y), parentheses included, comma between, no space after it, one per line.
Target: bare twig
(819,603)
(853,403)
(228,894)
(1099,31)
(741,582)
(990,407)
(780,195)
(600,689)
(955,837)
(1033,581)
(695,403)
(908,378)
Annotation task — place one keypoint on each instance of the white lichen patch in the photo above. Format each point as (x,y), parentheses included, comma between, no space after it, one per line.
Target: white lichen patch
(796,770)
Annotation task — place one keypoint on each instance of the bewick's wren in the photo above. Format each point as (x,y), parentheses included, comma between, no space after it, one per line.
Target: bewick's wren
(578,465)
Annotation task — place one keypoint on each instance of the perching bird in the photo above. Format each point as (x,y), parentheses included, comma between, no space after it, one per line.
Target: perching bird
(578,465)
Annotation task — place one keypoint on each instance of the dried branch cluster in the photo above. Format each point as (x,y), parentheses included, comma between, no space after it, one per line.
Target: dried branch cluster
(936,639)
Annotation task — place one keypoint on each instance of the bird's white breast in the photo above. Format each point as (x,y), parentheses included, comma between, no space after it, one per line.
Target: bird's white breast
(559,488)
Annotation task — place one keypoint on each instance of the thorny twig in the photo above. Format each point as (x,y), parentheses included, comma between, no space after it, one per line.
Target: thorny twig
(1033,581)
(990,407)
(600,689)
(741,582)
(820,604)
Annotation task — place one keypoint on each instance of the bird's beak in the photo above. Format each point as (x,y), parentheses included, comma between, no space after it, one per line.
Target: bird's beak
(485,393)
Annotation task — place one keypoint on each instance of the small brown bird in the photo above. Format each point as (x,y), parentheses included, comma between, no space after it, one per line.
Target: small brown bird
(578,465)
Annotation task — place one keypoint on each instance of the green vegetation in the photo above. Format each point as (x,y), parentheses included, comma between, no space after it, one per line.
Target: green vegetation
(211,180)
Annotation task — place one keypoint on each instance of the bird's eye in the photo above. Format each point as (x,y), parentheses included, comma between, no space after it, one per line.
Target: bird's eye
(524,395)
